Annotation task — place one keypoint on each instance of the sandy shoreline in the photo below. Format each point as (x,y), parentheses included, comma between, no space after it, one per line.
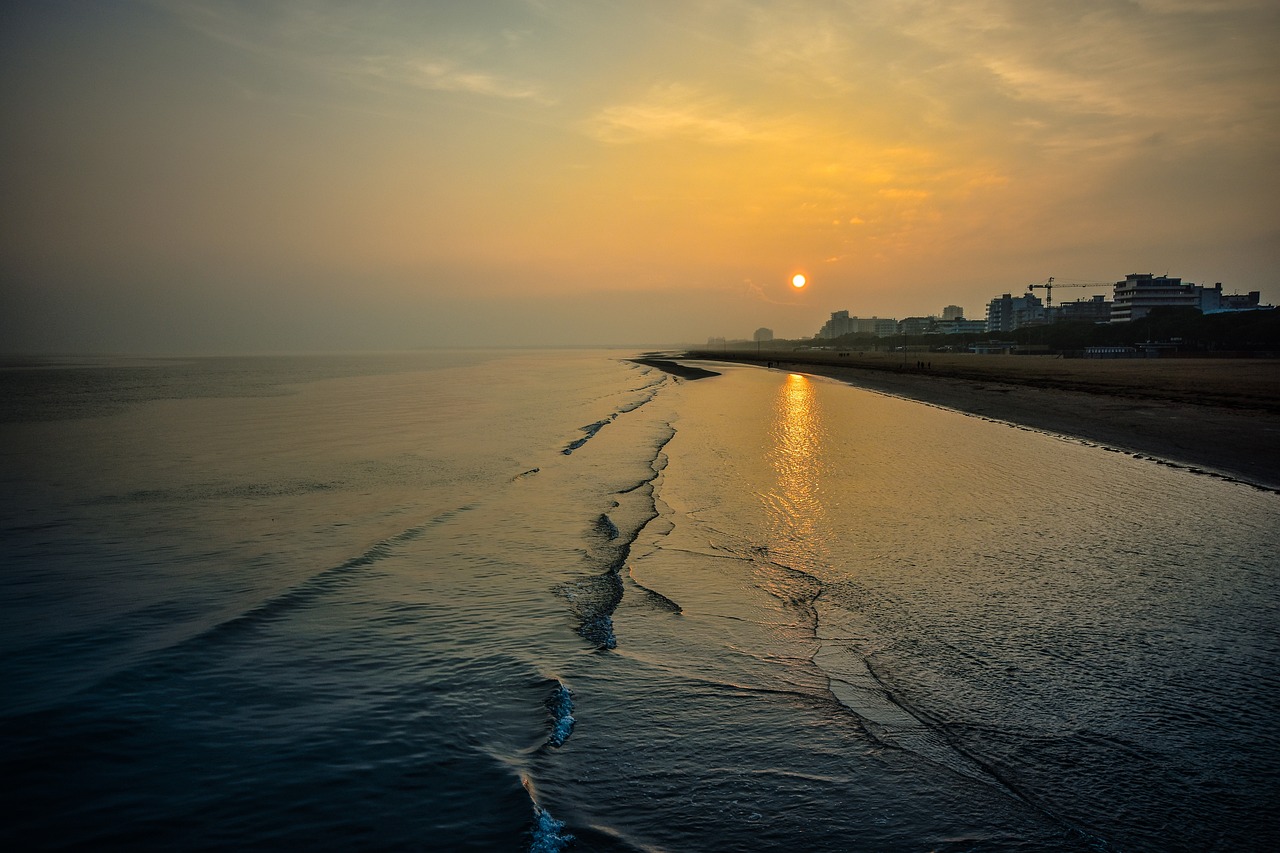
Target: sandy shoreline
(1218,416)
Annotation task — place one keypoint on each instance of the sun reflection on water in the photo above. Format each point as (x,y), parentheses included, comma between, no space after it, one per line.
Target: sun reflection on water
(795,504)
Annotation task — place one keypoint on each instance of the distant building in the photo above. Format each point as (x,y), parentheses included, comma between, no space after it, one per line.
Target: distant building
(882,327)
(1140,293)
(715,342)
(1007,312)
(961,326)
(1214,301)
(953,312)
(916,325)
(762,334)
(1095,310)
(842,324)
(839,324)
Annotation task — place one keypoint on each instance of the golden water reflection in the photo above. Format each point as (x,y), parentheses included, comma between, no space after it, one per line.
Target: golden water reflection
(795,504)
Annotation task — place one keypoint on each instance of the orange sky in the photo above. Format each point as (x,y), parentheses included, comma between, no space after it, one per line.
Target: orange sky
(183,174)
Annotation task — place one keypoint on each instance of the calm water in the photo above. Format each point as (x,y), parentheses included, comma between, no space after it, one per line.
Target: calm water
(559,601)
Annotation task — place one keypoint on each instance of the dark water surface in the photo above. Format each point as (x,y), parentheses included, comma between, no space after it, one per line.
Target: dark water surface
(557,600)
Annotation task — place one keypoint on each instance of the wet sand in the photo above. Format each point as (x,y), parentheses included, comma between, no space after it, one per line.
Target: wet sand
(1220,416)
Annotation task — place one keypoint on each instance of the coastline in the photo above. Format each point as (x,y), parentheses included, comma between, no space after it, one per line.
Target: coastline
(1213,416)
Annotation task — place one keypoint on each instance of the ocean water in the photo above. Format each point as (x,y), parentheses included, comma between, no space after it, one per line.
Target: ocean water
(543,601)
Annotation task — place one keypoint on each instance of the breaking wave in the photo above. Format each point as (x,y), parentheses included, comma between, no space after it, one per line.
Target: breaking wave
(548,833)
(560,706)
(595,597)
(590,430)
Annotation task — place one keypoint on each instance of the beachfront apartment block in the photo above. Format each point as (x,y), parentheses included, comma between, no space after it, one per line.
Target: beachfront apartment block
(881,327)
(1007,312)
(1095,309)
(1134,298)
(912,326)
(1140,293)
(839,324)
(960,326)
(842,324)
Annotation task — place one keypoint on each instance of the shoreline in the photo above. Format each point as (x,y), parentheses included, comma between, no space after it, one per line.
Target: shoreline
(1146,410)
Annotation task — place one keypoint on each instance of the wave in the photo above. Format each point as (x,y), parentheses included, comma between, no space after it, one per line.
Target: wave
(222,491)
(595,598)
(657,464)
(652,388)
(659,377)
(852,680)
(605,525)
(279,605)
(590,430)
(560,706)
(547,835)
(631,407)
(655,598)
(884,716)
(323,580)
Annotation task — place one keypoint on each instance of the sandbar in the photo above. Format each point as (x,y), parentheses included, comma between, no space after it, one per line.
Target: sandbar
(675,368)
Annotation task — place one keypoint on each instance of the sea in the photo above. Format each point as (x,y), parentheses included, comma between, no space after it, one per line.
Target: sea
(558,600)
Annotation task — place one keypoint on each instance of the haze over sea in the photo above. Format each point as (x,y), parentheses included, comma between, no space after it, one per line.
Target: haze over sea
(558,600)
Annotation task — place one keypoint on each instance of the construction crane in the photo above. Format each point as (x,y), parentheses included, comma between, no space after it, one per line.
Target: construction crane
(1048,286)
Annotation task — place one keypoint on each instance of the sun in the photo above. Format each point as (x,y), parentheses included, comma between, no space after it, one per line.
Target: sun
(798,281)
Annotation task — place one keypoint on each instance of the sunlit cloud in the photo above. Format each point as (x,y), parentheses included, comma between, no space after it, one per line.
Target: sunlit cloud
(1062,89)
(1152,60)
(679,111)
(904,194)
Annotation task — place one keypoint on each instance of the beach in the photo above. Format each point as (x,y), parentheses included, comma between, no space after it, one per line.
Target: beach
(1221,416)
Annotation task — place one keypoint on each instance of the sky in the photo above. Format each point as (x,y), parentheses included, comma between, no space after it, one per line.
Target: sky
(278,175)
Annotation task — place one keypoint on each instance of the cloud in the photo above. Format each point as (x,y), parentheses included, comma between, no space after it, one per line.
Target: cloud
(358,48)
(1204,7)
(1163,59)
(443,75)
(1073,92)
(679,111)
(900,194)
